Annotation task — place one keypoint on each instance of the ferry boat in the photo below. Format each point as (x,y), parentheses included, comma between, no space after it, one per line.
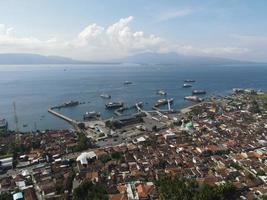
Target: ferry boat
(66,104)
(198,92)
(127,82)
(91,115)
(161,102)
(186,85)
(162,92)
(3,125)
(112,105)
(105,96)
(193,98)
(189,81)
(70,103)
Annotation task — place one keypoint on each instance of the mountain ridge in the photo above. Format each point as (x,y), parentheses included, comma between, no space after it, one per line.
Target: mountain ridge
(174,58)
(141,58)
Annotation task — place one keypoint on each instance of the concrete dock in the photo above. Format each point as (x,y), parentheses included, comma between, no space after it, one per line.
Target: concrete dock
(73,122)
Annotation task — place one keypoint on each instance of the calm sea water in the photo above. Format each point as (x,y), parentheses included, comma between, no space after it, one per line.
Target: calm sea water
(35,88)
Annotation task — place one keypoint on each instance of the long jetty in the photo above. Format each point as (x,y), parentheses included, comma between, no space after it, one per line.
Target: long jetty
(73,122)
(141,110)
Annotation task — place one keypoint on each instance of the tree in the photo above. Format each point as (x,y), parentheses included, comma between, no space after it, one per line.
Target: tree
(83,142)
(116,155)
(104,158)
(255,108)
(154,128)
(87,191)
(260,172)
(6,196)
(176,188)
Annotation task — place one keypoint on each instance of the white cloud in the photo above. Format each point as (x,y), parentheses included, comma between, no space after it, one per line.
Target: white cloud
(5,30)
(91,31)
(9,42)
(117,40)
(167,15)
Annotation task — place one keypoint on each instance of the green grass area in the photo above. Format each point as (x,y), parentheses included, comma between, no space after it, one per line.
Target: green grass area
(263,98)
(6,155)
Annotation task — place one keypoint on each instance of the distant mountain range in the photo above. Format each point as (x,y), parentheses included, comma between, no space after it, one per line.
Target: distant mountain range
(143,58)
(174,58)
(25,58)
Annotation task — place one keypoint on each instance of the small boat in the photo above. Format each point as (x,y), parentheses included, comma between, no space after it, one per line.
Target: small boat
(127,82)
(189,81)
(186,85)
(198,92)
(161,102)
(193,98)
(91,115)
(105,96)
(162,92)
(25,125)
(113,105)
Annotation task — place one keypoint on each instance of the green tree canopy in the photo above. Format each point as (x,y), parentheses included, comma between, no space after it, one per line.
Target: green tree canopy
(6,196)
(88,191)
(176,188)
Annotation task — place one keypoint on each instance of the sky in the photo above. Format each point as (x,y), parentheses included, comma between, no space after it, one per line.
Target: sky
(110,29)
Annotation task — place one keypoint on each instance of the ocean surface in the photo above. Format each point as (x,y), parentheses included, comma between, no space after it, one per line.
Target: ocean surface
(35,88)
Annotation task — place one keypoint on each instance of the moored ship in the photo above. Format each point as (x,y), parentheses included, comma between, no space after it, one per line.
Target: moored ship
(162,92)
(186,85)
(161,102)
(189,81)
(127,82)
(113,105)
(91,115)
(70,103)
(198,92)
(105,96)
(67,104)
(193,98)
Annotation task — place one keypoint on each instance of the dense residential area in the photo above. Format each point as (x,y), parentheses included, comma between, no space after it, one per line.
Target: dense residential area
(215,149)
(133,100)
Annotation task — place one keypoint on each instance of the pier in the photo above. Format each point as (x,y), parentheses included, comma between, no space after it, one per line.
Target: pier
(169,104)
(141,110)
(189,108)
(73,122)
(119,111)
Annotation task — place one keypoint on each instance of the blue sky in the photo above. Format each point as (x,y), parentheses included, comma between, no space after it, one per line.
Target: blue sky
(86,29)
